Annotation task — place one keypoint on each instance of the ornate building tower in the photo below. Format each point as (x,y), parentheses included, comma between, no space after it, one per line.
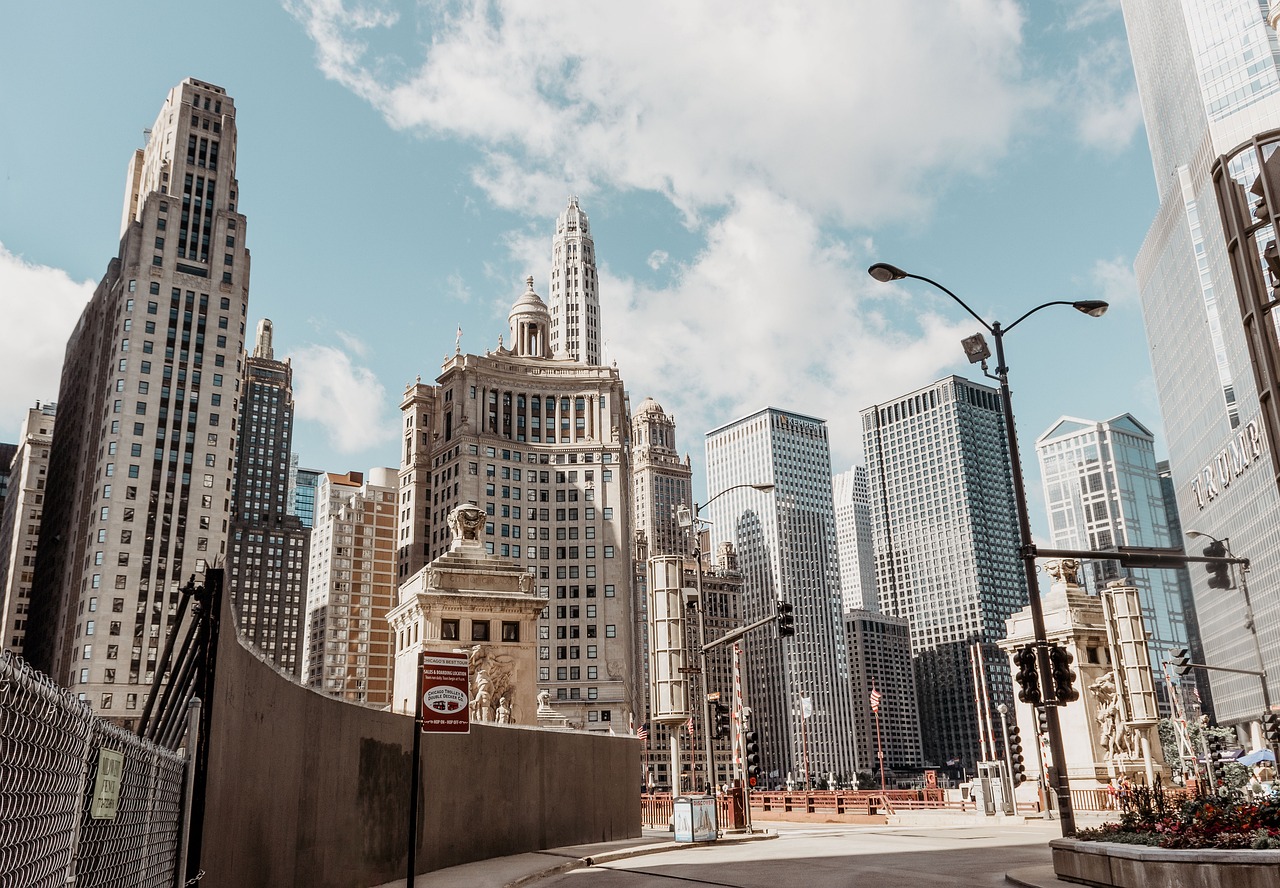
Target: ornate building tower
(660,478)
(540,443)
(142,458)
(575,297)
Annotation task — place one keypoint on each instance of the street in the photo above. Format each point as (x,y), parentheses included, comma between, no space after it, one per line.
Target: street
(835,856)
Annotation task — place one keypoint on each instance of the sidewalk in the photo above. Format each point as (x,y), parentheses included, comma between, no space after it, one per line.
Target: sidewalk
(523,869)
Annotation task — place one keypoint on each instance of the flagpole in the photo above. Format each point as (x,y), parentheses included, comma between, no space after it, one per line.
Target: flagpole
(875,708)
(804,739)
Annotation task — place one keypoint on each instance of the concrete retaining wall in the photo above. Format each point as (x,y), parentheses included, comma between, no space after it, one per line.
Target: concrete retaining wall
(307,790)
(1114,865)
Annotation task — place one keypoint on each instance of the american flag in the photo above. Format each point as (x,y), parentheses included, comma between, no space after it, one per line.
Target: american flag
(689,725)
(875,700)
(643,733)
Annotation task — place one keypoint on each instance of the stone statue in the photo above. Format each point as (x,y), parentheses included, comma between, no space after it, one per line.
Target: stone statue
(481,703)
(1064,570)
(1112,736)
(465,523)
(526,583)
(504,711)
(544,703)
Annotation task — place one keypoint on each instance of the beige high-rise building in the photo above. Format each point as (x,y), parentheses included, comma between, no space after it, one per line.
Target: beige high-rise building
(142,455)
(575,290)
(351,588)
(661,479)
(20,523)
(540,443)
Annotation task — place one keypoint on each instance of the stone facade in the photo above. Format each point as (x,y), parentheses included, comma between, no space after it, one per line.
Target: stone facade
(468,600)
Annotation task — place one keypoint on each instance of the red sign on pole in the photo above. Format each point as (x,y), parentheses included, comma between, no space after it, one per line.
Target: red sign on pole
(446,701)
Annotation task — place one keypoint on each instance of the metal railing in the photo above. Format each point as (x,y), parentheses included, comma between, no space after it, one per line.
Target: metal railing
(50,749)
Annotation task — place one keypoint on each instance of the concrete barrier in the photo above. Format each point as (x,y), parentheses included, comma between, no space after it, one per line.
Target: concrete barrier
(1114,865)
(308,790)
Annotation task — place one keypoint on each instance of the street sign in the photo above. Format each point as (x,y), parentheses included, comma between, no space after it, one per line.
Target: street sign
(713,696)
(446,701)
(690,670)
(106,786)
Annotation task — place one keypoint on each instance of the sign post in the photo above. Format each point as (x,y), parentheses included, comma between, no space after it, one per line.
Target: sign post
(443,706)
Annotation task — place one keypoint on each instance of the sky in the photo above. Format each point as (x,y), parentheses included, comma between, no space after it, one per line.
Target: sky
(401,166)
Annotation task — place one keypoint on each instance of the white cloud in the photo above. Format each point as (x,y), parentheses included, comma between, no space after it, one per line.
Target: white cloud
(658,258)
(1081,14)
(1116,281)
(851,109)
(1102,96)
(724,339)
(40,306)
(456,288)
(345,399)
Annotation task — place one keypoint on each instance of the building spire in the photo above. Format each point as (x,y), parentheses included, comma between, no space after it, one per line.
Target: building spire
(262,343)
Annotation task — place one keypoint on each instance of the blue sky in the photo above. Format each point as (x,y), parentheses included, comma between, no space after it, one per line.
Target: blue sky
(401,166)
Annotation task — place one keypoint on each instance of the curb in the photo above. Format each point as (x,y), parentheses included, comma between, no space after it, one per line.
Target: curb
(637,851)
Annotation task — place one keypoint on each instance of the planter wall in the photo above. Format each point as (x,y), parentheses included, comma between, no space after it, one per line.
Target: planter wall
(1114,865)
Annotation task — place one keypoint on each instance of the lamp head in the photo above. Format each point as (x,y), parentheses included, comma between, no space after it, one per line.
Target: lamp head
(763,488)
(976,348)
(1094,308)
(884,272)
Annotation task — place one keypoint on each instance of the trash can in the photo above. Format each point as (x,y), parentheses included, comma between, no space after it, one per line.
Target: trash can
(693,819)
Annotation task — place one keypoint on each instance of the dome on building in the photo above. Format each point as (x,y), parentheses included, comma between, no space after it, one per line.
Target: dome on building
(648,405)
(530,323)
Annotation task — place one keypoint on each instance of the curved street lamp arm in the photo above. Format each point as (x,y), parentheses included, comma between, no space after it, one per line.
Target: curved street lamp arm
(1034,310)
(958,300)
(763,488)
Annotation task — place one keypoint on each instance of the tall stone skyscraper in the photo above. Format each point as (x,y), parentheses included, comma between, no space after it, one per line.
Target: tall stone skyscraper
(351,587)
(267,556)
(21,514)
(851,492)
(141,464)
(786,546)
(1208,74)
(575,294)
(540,442)
(946,547)
(1102,489)
(661,479)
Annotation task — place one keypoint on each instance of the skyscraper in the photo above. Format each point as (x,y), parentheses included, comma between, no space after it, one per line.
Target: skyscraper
(786,545)
(140,467)
(540,442)
(946,548)
(575,295)
(20,516)
(661,479)
(885,714)
(351,587)
(267,557)
(1208,74)
(851,492)
(1102,489)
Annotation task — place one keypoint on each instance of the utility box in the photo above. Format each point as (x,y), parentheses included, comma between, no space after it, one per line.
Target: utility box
(693,819)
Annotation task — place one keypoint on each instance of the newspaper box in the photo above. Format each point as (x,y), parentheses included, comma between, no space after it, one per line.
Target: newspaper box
(693,819)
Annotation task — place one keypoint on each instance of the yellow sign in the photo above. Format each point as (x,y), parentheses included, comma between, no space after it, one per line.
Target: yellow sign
(106,788)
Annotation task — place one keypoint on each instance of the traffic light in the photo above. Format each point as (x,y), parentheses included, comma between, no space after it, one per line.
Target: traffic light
(1219,573)
(752,757)
(786,622)
(1181,661)
(1064,679)
(1214,743)
(1028,680)
(1019,774)
(721,716)
(1271,728)
(1042,720)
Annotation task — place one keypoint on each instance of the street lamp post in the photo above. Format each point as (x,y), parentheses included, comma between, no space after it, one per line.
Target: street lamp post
(975,347)
(694,520)
(1248,618)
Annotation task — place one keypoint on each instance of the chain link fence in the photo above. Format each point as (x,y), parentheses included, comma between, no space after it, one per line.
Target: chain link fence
(50,752)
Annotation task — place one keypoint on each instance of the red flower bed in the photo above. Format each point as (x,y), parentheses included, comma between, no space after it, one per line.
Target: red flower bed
(1208,822)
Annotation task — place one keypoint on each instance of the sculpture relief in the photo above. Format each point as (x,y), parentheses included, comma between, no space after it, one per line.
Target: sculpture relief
(492,682)
(1064,570)
(1112,734)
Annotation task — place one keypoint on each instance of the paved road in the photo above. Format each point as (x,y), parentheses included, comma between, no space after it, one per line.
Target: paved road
(834,856)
